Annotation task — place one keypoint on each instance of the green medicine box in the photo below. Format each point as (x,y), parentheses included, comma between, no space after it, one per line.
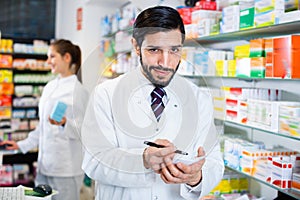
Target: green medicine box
(247,18)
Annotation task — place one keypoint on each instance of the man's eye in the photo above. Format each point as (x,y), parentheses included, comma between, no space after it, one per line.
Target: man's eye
(153,50)
(175,50)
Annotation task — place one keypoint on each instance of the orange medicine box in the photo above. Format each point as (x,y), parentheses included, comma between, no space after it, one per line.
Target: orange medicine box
(286,57)
(269,57)
(296,182)
(257,47)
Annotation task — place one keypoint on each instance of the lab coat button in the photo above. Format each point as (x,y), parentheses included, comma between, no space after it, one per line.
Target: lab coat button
(155,198)
(157,130)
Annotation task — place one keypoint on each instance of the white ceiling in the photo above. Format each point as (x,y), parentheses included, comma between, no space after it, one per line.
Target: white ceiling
(142,4)
(107,3)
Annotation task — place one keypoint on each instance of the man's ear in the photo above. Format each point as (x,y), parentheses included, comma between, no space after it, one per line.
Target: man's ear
(135,46)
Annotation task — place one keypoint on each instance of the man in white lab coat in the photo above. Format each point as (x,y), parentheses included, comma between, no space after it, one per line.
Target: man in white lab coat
(122,114)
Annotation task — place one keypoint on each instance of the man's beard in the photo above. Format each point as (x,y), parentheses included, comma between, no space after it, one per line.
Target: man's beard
(150,77)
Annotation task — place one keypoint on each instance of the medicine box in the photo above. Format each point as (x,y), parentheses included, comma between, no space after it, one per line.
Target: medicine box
(247,18)
(281,174)
(289,16)
(58,111)
(289,120)
(286,57)
(243,67)
(296,181)
(257,47)
(257,67)
(6,175)
(269,57)
(21,174)
(231,67)
(6,61)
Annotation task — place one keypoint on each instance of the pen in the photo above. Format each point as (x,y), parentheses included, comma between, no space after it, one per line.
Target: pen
(152,144)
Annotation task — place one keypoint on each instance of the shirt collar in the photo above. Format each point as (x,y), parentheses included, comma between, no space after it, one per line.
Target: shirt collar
(66,79)
(147,87)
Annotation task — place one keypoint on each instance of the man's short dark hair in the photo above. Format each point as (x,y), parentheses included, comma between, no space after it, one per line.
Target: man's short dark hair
(157,19)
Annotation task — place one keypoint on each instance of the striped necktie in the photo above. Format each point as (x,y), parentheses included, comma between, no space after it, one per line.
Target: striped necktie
(156,102)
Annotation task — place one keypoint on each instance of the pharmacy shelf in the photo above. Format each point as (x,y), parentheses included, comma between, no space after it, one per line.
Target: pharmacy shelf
(247,79)
(16,157)
(289,192)
(26,107)
(30,55)
(261,129)
(26,55)
(248,34)
(8,152)
(31,71)
(128,29)
(28,83)
(286,85)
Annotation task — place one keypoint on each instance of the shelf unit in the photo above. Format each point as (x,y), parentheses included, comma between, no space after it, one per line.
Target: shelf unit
(287,192)
(32,72)
(267,31)
(29,82)
(231,123)
(228,41)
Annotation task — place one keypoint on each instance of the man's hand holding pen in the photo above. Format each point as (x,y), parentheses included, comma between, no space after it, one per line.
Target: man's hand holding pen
(154,157)
(159,157)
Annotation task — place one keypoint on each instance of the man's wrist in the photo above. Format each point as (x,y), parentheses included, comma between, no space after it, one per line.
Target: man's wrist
(195,183)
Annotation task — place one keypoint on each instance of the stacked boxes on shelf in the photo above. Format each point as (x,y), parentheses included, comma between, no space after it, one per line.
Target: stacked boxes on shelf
(37,47)
(268,12)
(203,22)
(6,46)
(235,105)
(276,165)
(116,46)
(260,108)
(257,55)
(15,174)
(200,61)
(237,15)
(27,61)
(289,120)
(6,178)
(231,183)
(6,75)
(230,19)
(277,57)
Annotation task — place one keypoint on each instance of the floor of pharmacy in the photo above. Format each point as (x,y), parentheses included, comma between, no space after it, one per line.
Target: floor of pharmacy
(86,193)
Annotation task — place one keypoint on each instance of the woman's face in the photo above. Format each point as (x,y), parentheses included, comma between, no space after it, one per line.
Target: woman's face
(59,64)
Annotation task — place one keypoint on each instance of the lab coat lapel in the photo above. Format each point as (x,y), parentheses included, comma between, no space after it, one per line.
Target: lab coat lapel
(142,103)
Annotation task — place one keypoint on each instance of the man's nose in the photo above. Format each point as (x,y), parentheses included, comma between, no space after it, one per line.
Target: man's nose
(164,58)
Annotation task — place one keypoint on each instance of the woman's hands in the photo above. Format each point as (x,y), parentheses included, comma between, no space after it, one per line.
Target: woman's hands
(10,144)
(61,123)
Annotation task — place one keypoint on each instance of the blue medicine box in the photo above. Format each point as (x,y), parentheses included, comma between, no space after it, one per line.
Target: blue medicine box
(58,111)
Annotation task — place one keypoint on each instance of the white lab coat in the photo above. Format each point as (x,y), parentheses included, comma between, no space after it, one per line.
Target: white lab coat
(119,119)
(60,150)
